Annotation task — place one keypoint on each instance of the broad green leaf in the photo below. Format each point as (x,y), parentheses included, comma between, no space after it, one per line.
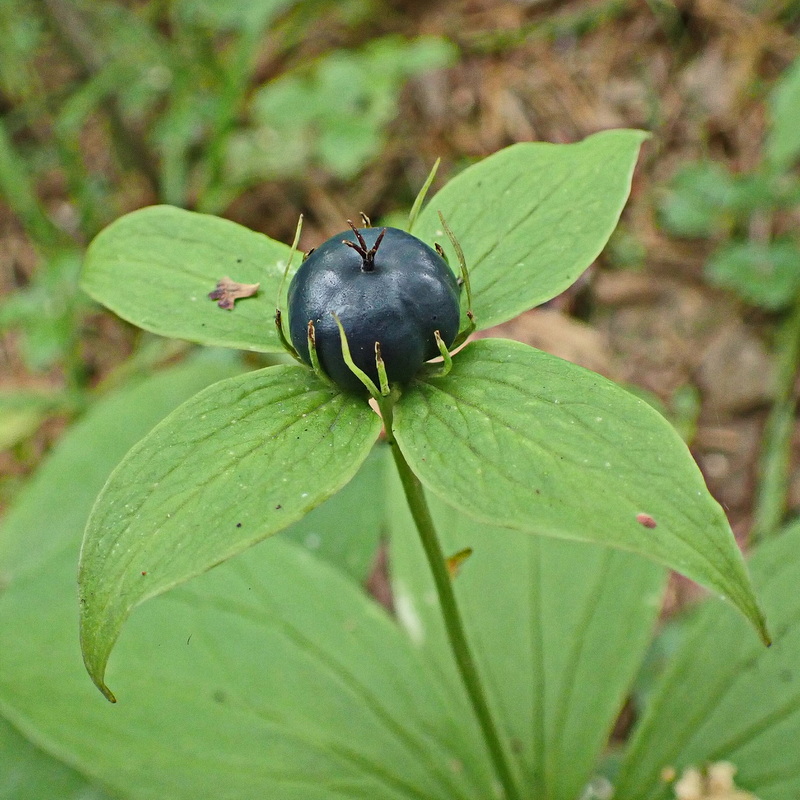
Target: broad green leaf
(522,439)
(155,268)
(725,698)
(64,488)
(51,512)
(783,141)
(558,629)
(270,676)
(27,773)
(238,462)
(532,217)
(762,273)
(701,199)
(346,530)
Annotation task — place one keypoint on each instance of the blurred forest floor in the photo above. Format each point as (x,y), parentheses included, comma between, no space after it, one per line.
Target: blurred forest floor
(696,73)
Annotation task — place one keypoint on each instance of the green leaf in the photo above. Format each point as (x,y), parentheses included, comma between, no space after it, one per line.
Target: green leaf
(18,189)
(41,630)
(155,268)
(700,200)
(21,413)
(345,530)
(228,15)
(724,698)
(238,462)
(558,630)
(63,490)
(519,438)
(783,141)
(30,774)
(762,273)
(270,676)
(331,112)
(532,217)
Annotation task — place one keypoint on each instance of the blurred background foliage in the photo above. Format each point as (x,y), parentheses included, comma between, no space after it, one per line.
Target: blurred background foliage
(259,111)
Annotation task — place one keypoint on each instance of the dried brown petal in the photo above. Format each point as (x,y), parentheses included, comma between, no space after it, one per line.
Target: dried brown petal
(229,291)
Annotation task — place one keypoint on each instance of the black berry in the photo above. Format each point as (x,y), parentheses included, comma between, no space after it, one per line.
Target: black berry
(386,286)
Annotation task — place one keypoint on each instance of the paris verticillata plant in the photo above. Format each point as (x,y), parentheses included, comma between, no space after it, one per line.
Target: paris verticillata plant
(274,675)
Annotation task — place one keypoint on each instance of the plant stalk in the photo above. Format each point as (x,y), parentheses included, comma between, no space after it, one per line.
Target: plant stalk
(774,467)
(452,618)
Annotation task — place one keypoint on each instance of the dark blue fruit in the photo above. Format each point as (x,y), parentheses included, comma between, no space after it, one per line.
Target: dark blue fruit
(386,286)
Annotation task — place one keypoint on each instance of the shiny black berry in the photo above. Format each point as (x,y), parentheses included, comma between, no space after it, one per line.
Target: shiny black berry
(386,286)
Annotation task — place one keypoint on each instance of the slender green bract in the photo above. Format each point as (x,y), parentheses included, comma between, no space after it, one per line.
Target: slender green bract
(155,268)
(236,463)
(519,438)
(532,217)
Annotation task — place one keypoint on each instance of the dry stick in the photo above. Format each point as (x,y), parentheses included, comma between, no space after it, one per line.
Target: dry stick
(71,29)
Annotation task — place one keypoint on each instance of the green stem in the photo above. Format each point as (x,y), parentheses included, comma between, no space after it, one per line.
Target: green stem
(452,617)
(774,467)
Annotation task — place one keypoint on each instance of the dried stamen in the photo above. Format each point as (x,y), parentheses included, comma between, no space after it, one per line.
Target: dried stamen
(367,256)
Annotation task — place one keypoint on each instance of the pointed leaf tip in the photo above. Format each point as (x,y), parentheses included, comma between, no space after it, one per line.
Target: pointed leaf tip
(519,438)
(107,693)
(276,440)
(554,207)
